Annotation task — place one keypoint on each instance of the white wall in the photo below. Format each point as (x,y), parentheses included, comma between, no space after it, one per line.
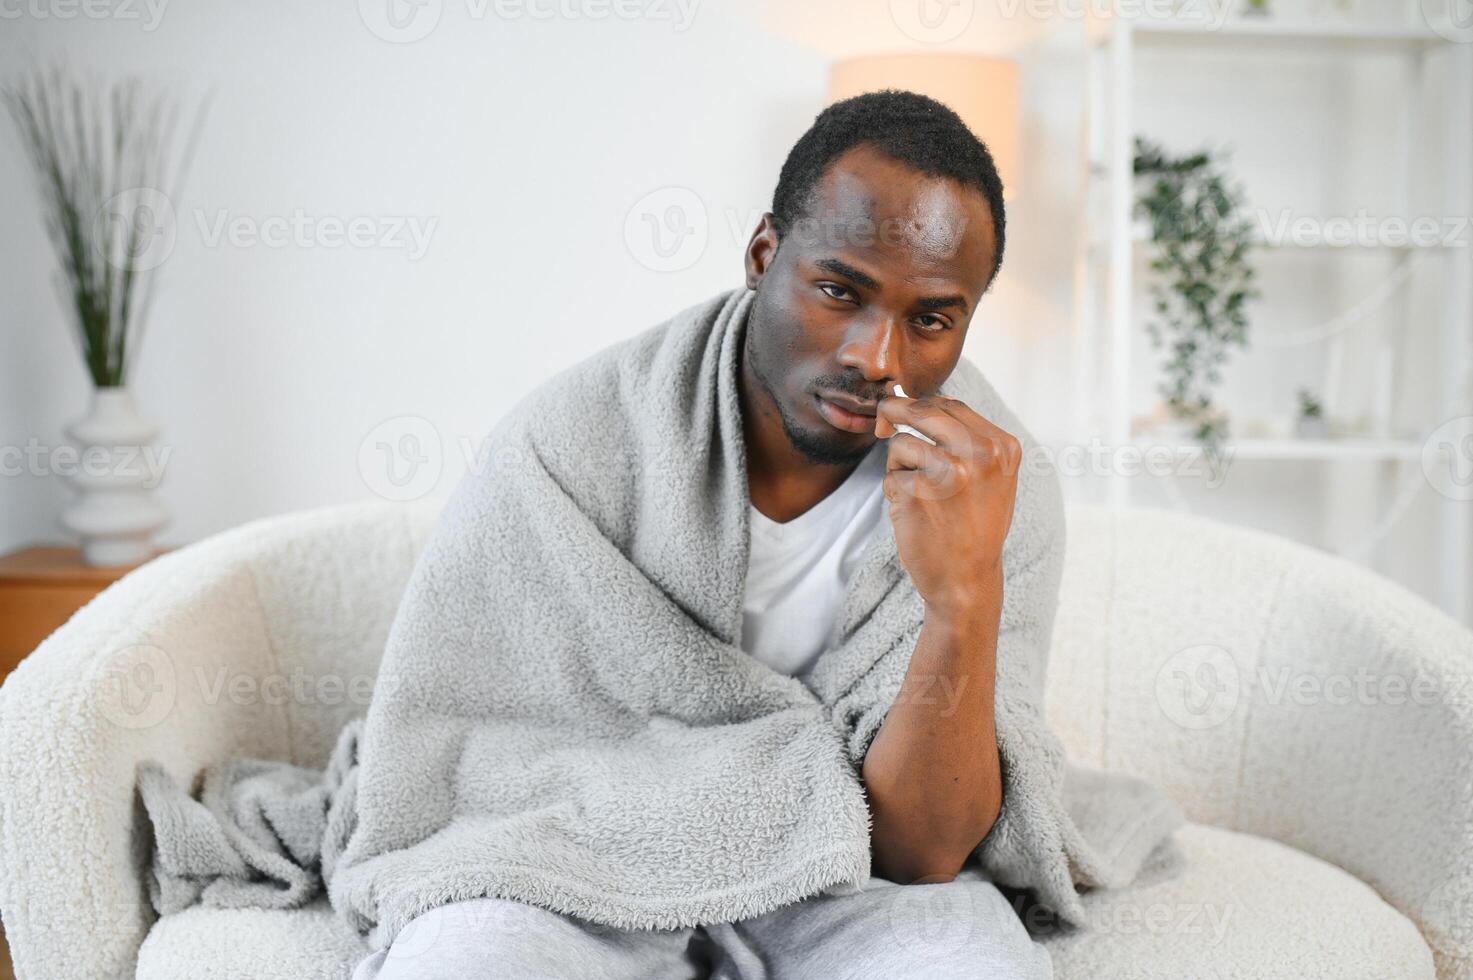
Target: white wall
(526,142)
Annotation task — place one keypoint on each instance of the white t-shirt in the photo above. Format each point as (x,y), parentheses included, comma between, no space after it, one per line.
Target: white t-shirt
(799,572)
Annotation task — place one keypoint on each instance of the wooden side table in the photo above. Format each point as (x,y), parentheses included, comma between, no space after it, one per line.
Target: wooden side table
(40,587)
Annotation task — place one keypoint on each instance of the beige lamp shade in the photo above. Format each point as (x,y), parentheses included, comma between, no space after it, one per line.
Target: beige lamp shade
(982,90)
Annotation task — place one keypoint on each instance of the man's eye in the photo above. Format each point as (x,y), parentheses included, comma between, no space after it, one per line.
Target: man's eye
(834,290)
(933,324)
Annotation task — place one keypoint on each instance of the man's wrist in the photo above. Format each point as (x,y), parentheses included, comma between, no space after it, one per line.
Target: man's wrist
(969,609)
(974,600)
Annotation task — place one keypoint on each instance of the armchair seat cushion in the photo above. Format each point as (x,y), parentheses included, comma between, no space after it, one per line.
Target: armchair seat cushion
(1243,906)
(309,943)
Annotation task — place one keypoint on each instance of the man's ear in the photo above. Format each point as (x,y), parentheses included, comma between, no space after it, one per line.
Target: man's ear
(761,249)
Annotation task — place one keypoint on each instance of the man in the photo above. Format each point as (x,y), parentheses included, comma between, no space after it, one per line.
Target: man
(886,231)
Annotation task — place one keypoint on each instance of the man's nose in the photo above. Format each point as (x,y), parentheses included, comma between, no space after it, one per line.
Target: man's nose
(872,346)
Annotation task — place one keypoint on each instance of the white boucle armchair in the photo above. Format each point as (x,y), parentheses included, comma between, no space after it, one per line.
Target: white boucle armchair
(1313,720)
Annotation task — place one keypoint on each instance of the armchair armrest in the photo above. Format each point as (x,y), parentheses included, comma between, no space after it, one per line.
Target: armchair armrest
(1277,690)
(187,661)
(144,670)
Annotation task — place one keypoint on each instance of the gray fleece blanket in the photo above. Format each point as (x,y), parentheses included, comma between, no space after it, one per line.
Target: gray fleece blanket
(565,715)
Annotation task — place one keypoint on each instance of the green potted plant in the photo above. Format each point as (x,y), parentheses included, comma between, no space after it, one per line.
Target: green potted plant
(107,185)
(1202,279)
(1310,423)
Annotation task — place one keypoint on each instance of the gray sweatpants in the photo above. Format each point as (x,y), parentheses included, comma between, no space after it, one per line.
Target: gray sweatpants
(961,930)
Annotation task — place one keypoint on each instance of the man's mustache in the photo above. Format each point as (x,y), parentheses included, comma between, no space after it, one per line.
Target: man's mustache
(846,384)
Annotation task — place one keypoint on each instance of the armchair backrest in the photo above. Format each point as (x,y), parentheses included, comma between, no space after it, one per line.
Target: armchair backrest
(329,582)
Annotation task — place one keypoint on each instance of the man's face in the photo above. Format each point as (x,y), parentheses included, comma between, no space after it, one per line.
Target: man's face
(876,286)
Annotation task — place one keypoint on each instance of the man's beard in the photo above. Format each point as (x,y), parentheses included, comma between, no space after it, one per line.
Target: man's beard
(816,448)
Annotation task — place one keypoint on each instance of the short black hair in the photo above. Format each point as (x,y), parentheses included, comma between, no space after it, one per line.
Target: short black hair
(909,127)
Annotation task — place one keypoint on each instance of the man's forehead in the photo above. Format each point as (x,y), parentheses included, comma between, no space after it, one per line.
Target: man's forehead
(865,200)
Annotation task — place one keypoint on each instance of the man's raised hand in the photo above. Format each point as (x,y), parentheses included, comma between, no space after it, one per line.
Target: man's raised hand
(951,504)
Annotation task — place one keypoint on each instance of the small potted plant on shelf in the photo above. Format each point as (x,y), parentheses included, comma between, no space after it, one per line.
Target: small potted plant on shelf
(1200,243)
(1310,423)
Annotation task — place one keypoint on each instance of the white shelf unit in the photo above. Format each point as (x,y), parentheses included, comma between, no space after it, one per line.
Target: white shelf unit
(1111,251)
(1305,449)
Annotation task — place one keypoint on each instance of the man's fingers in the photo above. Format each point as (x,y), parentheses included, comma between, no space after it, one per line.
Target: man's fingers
(962,412)
(924,415)
(920,469)
(956,427)
(907,452)
(985,433)
(899,484)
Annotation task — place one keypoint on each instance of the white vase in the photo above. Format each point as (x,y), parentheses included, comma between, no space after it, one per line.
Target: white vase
(117,513)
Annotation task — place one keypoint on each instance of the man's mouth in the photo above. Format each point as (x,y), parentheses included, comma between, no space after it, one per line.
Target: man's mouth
(849,414)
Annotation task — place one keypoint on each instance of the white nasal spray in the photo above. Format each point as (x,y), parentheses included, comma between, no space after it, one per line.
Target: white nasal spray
(900,393)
